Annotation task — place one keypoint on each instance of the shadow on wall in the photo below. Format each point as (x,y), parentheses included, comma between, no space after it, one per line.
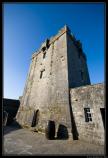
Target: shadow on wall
(62,132)
(73,124)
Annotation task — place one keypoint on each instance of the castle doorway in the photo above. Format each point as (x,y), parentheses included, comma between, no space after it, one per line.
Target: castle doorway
(35,118)
(50,130)
(103,115)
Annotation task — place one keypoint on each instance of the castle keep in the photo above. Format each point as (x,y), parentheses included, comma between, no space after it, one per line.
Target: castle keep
(58,88)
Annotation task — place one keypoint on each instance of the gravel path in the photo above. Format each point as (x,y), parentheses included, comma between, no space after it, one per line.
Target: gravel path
(25,142)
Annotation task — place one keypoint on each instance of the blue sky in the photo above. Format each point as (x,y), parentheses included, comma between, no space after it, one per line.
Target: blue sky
(27,25)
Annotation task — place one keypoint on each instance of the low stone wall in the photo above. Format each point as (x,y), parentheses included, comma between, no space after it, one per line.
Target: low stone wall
(91,96)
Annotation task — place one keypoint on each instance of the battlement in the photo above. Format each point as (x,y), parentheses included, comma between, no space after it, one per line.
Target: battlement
(48,42)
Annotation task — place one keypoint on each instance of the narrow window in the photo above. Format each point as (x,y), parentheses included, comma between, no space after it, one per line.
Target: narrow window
(35,118)
(44,55)
(41,73)
(87,115)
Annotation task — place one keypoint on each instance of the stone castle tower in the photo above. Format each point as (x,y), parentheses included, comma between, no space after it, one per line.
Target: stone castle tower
(59,65)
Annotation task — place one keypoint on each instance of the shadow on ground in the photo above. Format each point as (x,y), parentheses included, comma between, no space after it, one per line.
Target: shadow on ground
(12,127)
(62,133)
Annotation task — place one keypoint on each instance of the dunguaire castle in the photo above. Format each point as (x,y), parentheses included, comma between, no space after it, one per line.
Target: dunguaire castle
(58,89)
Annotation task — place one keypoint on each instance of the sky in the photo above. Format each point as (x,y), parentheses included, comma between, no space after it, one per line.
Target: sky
(27,25)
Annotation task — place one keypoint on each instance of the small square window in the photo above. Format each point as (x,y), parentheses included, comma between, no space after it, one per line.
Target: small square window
(87,115)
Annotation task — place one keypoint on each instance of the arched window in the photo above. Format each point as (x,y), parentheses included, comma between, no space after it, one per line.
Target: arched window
(35,118)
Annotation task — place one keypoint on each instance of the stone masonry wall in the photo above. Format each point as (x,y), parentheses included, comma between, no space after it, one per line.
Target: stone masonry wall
(77,63)
(50,88)
(91,96)
(49,94)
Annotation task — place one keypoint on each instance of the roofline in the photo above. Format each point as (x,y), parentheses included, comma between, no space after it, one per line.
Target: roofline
(87,86)
(53,39)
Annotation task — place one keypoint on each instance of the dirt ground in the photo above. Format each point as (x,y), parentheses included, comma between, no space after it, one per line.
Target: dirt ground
(18,141)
